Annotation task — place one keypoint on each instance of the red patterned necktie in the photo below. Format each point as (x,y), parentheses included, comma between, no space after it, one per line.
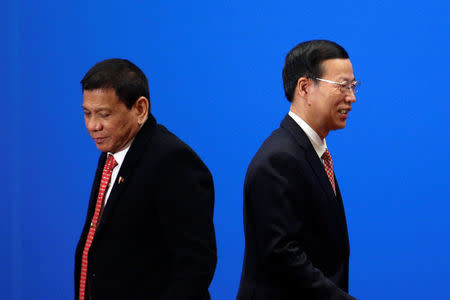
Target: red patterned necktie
(106,176)
(328,164)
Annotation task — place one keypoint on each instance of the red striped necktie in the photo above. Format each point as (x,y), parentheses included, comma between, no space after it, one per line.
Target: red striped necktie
(106,176)
(328,165)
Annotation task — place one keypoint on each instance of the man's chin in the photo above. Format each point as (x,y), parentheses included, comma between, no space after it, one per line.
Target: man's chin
(103,147)
(341,124)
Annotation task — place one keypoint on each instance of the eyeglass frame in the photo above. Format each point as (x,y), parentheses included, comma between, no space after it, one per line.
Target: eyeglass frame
(353,85)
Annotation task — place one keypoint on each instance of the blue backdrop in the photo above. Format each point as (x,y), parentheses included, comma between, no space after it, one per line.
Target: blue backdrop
(215,80)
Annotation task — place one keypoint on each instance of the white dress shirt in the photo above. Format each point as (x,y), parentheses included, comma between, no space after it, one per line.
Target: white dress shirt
(319,145)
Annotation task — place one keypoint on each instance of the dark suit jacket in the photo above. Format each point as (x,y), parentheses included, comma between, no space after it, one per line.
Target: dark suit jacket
(296,241)
(156,238)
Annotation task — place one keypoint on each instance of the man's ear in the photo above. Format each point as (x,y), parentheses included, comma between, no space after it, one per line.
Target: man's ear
(302,88)
(141,109)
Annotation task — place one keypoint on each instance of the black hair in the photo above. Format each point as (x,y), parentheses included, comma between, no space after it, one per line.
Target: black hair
(127,80)
(305,60)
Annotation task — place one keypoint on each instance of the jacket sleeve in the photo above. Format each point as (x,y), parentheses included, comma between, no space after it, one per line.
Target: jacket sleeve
(185,205)
(276,205)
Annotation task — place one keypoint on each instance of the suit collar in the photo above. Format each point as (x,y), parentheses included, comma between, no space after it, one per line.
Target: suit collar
(316,164)
(313,159)
(132,157)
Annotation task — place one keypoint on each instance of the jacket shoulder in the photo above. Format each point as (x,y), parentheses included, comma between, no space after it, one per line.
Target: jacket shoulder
(165,147)
(279,143)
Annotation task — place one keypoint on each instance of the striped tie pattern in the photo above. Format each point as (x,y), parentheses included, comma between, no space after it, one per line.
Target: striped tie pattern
(328,165)
(106,176)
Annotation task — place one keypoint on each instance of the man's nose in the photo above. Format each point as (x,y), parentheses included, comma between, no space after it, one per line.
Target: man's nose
(350,97)
(92,124)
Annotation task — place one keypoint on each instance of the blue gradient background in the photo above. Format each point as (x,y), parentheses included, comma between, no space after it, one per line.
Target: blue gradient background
(215,81)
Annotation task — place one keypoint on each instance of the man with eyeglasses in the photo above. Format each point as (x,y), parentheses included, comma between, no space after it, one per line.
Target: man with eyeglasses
(296,240)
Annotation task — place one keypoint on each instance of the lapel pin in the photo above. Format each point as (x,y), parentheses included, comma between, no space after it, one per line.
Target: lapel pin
(121,179)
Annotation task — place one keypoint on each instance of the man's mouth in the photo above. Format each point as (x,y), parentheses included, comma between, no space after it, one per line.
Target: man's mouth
(99,139)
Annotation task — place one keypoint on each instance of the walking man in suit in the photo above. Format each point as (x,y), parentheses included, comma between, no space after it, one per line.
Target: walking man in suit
(149,230)
(296,240)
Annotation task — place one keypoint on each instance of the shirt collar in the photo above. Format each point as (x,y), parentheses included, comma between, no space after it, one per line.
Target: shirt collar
(319,145)
(120,156)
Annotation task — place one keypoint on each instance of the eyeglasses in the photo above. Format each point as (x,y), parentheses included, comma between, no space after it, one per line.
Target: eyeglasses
(344,86)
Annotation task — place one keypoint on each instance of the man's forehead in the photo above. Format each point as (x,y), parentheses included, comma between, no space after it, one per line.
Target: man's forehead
(100,99)
(341,67)
(95,108)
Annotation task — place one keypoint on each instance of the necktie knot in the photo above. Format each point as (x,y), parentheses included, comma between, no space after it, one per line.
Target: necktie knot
(110,163)
(326,155)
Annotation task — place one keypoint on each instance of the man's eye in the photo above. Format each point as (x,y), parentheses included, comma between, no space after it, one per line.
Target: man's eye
(104,115)
(347,85)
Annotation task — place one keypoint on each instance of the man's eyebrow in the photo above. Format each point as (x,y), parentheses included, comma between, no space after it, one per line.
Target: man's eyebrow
(101,109)
(345,79)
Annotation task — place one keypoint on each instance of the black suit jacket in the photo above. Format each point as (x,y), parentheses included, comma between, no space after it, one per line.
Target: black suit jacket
(156,238)
(296,241)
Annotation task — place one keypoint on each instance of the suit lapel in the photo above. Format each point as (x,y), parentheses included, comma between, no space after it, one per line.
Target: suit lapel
(314,161)
(318,168)
(94,190)
(316,165)
(92,200)
(342,219)
(126,170)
